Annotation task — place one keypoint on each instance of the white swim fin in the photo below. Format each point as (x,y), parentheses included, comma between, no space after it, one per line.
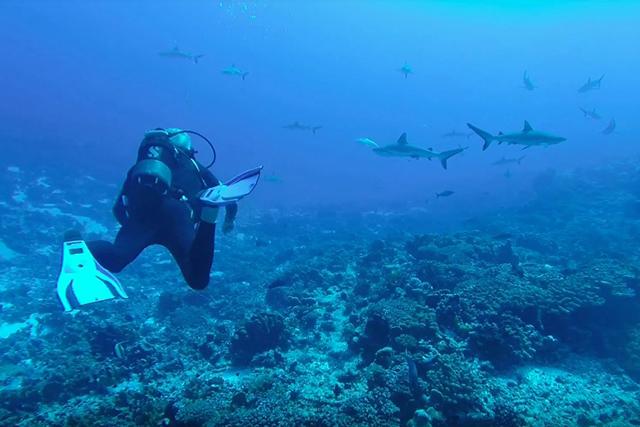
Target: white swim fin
(234,190)
(83,280)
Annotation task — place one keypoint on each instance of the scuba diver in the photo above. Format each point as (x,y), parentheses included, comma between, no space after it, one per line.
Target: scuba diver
(168,198)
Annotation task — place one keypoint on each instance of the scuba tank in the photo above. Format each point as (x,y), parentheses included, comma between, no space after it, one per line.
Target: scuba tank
(159,157)
(156,160)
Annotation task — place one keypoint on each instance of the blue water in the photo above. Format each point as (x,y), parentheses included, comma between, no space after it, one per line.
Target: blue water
(86,77)
(82,82)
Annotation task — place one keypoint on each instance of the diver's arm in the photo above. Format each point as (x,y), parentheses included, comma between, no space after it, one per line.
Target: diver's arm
(231,210)
(229,217)
(209,178)
(119,208)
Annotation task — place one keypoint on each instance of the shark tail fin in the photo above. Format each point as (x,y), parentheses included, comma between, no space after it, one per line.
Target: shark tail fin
(446,155)
(244,75)
(196,58)
(486,136)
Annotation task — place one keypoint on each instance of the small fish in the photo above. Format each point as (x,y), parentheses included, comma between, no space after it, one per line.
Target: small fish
(445,193)
(119,350)
(591,85)
(299,126)
(235,71)
(296,126)
(406,70)
(412,373)
(611,127)
(177,53)
(506,161)
(368,142)
(526,81)
(591,114)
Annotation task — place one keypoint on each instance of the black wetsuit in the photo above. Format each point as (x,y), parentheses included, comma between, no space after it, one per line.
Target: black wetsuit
(167,220)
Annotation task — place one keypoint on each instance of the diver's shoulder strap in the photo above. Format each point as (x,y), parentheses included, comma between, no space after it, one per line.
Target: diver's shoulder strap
(199,171)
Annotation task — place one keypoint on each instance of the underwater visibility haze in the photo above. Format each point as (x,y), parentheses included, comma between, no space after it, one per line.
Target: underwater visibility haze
(338,213)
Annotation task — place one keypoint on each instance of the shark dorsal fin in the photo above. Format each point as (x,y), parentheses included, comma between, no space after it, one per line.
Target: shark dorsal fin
(430,148)
(403,139)
(527,127)
(500,133)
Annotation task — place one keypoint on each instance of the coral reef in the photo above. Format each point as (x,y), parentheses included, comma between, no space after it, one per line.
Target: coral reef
(520,318)
(263,331)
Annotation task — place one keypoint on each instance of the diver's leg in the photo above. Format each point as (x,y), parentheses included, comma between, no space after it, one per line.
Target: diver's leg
(200,259)
(191,246)
(130,241)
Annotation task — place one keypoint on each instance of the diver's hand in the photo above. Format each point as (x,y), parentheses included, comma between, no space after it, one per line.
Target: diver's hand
(228,226)
(209,214)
